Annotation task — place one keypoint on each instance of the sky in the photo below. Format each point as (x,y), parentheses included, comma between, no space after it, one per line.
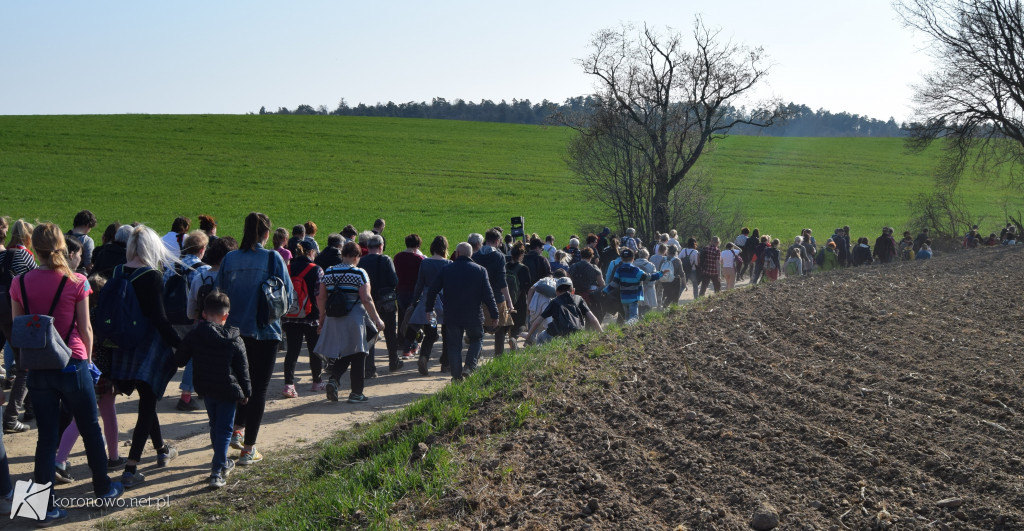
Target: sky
(232,57)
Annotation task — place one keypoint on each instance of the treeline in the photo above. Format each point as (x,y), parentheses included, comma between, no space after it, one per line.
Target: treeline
(800,121)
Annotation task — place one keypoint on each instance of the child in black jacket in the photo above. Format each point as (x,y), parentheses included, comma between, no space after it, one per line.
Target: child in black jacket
(221,376)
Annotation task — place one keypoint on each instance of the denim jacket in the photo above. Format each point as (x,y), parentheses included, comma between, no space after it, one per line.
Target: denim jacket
(240,276)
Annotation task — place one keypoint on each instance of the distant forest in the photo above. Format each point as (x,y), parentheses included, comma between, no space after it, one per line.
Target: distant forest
(802,120)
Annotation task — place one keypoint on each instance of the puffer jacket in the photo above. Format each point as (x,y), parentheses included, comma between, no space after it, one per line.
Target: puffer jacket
(220,370)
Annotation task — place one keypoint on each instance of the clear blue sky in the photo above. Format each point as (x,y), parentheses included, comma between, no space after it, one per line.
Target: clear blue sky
(231,57)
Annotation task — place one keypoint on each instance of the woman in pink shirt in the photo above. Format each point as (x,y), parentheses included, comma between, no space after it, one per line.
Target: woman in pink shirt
(54,285)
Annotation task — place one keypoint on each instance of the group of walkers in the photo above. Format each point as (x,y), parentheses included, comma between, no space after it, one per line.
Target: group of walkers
(134,309)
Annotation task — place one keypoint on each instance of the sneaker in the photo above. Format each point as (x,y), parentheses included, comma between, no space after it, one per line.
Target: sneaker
(162,458)
(236,440)
(186,406)
(289,392)
(370,373)
(250,457)
(229,467)
(15,427)
(318,387)
(62,475)
(116,490)
(332,391)
(421,364)
(217,481)
(444,369)
(396,366)
(54,516)
(116,464)
(357,399)
(407,355)
(129,480)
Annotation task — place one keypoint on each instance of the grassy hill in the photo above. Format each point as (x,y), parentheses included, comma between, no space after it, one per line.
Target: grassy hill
(425,176)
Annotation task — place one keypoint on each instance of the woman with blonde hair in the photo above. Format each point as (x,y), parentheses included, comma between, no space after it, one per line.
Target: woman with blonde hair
(16,260)
(147,367)
(56,287)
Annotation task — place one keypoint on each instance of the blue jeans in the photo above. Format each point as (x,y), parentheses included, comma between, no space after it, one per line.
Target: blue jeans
(631,310)
(222,419)
(8,357)
(186,379)
(454,335)
(74,387)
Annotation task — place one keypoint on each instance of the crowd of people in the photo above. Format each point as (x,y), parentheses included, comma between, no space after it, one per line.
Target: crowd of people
(137,307)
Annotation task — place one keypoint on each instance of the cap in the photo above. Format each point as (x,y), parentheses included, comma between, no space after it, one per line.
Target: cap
(626,253)
(606,231)
(564,281)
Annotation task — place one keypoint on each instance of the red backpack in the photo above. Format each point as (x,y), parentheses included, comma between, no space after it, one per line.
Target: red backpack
(303,304)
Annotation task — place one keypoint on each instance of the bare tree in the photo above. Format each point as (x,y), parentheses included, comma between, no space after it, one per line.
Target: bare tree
(658,108)
(975,98)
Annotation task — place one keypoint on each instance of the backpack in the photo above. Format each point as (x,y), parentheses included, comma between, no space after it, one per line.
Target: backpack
(303,304)
(176,291)
(668,275)
(272,302)
(769,262)
(687,263)
(204,291)
(512,279)
(41,346)
(677,268)
(567,318)
(118,317)
(6,277)
(340,302)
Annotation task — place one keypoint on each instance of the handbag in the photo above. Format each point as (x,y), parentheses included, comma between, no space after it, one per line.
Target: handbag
(42,348)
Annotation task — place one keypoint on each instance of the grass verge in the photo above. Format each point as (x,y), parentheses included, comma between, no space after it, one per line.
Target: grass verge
(353,478)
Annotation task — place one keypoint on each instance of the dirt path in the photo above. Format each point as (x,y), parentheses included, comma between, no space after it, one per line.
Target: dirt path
(288,423)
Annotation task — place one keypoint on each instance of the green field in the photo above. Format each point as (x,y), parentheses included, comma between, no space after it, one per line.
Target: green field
(425,176)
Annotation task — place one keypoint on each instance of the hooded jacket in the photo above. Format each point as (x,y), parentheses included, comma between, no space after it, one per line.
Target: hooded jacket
(220,370)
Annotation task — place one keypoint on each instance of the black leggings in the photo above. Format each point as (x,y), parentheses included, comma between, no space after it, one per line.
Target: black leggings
(294,333)
(261,355)
(357,361)
(429,338)
(147,426)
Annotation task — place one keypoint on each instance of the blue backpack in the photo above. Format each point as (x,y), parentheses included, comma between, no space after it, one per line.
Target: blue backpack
(118,317)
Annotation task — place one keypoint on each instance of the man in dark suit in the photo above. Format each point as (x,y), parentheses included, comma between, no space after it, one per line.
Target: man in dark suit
(464,288)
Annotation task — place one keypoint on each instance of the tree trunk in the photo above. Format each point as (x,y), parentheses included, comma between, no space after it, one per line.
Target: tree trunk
(660,211)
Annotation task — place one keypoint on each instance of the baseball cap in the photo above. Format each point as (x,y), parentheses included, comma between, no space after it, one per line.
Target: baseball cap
(626,253)
(564,281)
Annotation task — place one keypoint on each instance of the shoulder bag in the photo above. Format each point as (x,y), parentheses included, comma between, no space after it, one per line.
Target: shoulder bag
(42,348)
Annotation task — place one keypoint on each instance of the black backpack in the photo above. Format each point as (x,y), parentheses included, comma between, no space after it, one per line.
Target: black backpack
(687,263)
(205,289)
(567,319)
(118,315)
(176,291)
